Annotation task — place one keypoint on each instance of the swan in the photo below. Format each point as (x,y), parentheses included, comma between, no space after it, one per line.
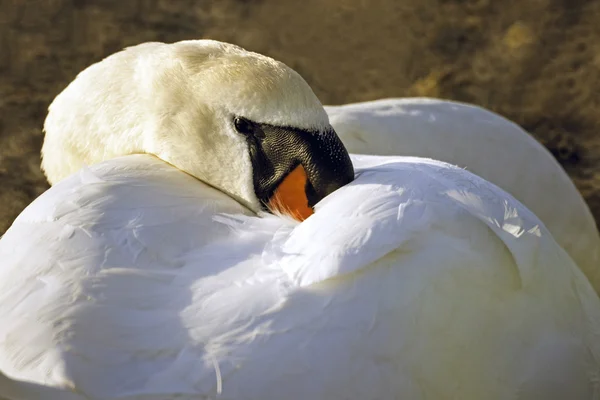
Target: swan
(486,144)
(142,276)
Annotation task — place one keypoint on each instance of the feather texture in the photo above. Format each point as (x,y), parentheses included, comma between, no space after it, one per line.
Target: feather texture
(486,144)
(419,280)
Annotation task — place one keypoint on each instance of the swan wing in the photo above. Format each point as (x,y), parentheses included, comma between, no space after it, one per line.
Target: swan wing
(486,144)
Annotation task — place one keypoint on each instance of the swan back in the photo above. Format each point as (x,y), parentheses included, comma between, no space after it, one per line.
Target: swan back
(486,144)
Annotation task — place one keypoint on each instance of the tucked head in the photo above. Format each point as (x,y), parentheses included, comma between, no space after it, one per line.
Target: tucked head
(239,121)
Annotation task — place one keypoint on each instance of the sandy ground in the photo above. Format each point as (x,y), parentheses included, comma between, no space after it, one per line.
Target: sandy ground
(534,61)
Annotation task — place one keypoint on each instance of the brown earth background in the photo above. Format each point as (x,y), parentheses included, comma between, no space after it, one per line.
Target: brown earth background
(536,62)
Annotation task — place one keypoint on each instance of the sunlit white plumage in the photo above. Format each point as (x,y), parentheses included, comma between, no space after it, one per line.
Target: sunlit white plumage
(132,280)
(486,144)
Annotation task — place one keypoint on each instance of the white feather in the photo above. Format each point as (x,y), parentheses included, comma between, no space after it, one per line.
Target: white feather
(132,280)
(486,144)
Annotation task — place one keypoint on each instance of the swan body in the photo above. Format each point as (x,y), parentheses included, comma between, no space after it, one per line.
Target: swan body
(156,276)
(486,144)
(419,280)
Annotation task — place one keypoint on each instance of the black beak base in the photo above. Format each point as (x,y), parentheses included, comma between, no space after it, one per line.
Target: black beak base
(275,151)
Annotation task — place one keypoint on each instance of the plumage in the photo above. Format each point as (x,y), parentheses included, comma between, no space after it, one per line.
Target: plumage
(156,276)
(486,144)
(418,280)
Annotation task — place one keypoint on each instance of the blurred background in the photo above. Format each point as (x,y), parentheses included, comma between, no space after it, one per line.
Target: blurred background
(536,62)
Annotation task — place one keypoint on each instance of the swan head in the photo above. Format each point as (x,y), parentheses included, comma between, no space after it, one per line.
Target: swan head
(239,121)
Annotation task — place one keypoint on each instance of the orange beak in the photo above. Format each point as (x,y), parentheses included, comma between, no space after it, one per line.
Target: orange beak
(290,196)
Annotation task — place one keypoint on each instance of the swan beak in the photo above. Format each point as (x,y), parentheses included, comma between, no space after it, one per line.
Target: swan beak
(312,165)
(290,196)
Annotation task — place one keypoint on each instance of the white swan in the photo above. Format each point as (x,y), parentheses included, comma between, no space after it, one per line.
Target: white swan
(418,280)
(486,144)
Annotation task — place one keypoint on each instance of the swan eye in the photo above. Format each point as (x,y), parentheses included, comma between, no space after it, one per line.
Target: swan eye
(243,126)
(248,128)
